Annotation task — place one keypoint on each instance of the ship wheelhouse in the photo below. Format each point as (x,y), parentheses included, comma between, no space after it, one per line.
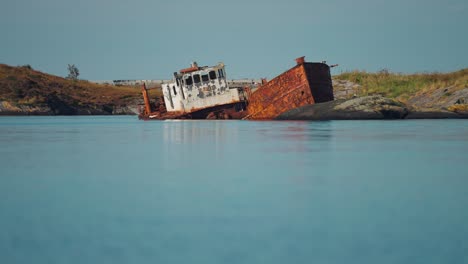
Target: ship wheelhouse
(198,88)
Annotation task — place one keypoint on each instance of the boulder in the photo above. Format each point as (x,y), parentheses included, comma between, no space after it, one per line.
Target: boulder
(368,107)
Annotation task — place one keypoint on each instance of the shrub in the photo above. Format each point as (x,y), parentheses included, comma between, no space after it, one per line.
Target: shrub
(73,72)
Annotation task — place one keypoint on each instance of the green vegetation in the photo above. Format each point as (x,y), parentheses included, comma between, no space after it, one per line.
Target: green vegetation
(73,72)
(27,66)
(403,86)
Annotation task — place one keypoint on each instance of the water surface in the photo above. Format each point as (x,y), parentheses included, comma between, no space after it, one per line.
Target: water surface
(119,190)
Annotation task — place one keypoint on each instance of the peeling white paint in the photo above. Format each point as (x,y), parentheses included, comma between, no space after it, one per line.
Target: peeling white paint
(205,87)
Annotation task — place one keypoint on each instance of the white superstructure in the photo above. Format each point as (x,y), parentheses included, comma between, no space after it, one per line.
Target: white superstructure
(197,88)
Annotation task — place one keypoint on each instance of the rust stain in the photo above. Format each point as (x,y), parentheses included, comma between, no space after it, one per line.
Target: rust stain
(306,83)
(193,67)
(146,99)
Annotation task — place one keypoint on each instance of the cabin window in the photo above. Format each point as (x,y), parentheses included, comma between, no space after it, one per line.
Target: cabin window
(177,80)
(212,75)
(170,96)
(182,92)
(205,78)
(188,80)
(221,73)
(173,89)
(196,78)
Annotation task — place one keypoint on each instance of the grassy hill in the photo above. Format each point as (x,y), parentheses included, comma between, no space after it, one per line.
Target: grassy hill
(404,86)
(425,90)
(23,89)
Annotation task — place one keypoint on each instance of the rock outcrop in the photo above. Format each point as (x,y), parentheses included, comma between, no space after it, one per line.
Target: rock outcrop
(450,102)
(344,89)
(56,106)
(440,98)
(368,107)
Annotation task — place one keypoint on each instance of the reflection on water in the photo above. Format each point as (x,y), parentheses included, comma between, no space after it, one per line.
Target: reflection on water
(204,132)
(118,190)
(205,141)
(187,141)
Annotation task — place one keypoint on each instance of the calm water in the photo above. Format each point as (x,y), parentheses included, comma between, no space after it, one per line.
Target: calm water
(119,190)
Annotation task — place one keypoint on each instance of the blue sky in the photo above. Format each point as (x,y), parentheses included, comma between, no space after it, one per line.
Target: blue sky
(150,39)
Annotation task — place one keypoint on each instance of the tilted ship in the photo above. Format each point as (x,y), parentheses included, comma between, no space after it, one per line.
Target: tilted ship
(205,93)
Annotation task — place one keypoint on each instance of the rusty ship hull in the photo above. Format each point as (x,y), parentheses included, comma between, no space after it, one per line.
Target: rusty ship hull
(304,84)
(236,110)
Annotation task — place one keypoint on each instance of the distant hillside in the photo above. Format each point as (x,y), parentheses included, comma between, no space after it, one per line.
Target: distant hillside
(427,90)
(27,91)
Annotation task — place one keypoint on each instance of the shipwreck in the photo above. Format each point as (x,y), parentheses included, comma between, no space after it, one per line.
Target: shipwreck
(198,93)
(205,93)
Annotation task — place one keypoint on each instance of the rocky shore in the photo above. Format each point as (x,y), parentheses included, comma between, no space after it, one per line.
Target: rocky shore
(25,91)
(366,108)
(56,106)
(359,108)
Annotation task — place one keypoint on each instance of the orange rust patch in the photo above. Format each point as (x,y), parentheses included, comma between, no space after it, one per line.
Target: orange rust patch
(304,84)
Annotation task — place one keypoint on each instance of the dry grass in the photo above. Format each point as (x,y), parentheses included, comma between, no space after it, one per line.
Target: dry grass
(403,86)
(24,85)
(459,108)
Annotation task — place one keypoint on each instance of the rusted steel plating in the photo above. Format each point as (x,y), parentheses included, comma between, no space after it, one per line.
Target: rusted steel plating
(203,92)
(194,67)
(305,83)
(146,99)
